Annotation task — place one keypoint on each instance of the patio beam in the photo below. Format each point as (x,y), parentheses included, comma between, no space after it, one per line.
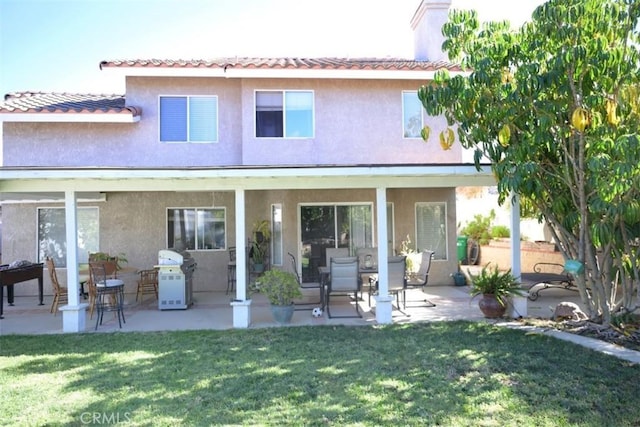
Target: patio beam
(248,178)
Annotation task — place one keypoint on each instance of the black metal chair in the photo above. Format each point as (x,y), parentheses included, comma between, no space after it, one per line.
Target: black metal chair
(344,280)
(109,290)
(231,270)
(310,285)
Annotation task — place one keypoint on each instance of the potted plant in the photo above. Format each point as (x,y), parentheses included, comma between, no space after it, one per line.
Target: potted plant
(281,289)
(496,287)
(260,245)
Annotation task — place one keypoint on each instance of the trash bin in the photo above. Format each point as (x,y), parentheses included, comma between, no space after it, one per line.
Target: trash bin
(462,249)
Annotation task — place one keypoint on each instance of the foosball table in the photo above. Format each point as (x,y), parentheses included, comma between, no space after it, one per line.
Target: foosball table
(10,276)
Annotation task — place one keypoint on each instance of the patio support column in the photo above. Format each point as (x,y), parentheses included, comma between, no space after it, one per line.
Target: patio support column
(74,314)
(241,305)
(518,307)
(383,299)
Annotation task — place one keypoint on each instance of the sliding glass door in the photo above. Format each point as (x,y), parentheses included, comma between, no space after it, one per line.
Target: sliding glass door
(332,226)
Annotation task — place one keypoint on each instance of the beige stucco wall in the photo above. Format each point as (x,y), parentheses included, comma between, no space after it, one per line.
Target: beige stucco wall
(356,122)
(135,224)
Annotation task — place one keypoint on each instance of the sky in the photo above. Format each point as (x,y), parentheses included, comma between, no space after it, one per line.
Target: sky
(57,45)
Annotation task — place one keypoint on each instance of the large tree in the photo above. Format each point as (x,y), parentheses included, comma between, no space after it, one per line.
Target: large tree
(554,106)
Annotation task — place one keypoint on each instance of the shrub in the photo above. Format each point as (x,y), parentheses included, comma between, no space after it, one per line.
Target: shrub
(479,228)
(280,287)
(498,231)
(482,231)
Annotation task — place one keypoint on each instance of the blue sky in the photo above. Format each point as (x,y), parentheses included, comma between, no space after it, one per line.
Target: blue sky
(57,45)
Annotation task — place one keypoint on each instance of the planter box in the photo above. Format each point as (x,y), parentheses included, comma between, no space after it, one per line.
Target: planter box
(498,252)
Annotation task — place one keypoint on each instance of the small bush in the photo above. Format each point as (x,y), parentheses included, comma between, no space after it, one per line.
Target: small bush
(482,231)
(479,228)
(499,231)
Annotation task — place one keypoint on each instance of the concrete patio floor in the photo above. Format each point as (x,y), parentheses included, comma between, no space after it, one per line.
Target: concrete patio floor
(212,310)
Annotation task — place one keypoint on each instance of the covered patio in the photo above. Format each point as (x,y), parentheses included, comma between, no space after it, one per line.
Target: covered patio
(212,310)
(245,186)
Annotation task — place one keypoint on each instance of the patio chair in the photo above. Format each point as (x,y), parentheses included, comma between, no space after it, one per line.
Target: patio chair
(334,253)
(231,270)
(60,293)
(396,271)
(368,258)
(344,280)
(310,285)
(147,283)
(109,290)
(93,293)
(420,279)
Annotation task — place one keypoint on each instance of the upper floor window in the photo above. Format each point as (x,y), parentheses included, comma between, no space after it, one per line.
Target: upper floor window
(284,114)
(411,114)
(196,228)
(188,118)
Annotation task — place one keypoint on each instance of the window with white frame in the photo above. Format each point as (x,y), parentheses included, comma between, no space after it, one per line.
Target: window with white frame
(411,115)
(52,234)
(284,114)
(189,118)
(431,228)
(196,228)
(390,230)
(276,234)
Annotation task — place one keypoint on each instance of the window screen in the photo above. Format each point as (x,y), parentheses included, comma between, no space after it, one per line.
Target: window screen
(431,228)
(188,118)
(411,114)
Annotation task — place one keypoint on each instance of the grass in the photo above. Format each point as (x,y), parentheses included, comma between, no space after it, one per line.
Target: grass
(451,373)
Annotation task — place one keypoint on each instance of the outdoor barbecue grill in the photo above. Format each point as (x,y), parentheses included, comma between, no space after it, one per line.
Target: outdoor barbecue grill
(175,279)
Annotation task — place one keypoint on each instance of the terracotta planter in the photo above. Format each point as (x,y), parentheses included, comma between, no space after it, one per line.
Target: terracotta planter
(491,307)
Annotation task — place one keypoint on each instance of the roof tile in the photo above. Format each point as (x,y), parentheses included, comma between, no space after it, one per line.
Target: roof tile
(289,63)
(41,102)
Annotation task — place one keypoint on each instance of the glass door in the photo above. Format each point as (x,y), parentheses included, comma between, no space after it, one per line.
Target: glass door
(332,226)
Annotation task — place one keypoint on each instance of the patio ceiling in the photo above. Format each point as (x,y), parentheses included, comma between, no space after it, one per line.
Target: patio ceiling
(58,180)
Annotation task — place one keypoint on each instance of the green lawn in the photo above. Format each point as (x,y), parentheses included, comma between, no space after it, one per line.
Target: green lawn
(452,373)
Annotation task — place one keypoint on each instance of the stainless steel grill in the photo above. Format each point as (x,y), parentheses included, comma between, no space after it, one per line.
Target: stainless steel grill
(175,279)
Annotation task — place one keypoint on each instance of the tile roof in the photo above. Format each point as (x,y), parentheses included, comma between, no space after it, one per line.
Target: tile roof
(41,102)
(68,103)
(289,63)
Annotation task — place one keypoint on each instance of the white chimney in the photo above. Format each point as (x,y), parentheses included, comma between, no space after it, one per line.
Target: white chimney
(427,25)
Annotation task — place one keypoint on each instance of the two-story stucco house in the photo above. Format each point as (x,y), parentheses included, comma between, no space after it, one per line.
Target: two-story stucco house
(328,150)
